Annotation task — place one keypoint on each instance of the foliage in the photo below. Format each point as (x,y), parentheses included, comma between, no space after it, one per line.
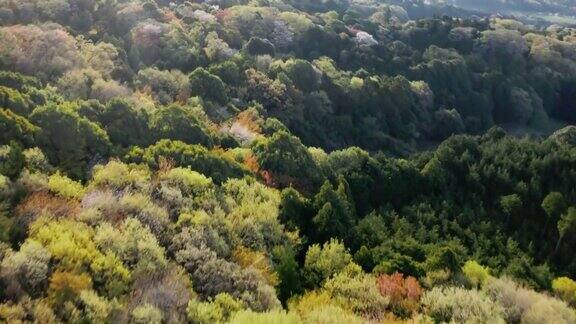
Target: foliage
(476,273)
(220,310)
(213,161)
(404,293)
(322,262)
(65,187)
(565,288)
(207,85)
(446,304)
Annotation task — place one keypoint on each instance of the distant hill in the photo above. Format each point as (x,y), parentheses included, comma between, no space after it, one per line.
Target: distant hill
(562,7)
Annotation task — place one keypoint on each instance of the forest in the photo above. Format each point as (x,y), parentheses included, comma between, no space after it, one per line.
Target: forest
(285,161)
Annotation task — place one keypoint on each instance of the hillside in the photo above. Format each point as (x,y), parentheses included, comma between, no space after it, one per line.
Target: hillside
(284,161)
(542,12)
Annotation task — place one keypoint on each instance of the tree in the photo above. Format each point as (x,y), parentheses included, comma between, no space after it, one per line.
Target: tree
(566,226)
(287,269)
(268,92)
(17,102)
(554,205)
(259,46)
(124,124)
(323,262)
(49,51)
(69,140)
(176,122)
(511,205)
(303,74)
(196,157)
(16,128)
(166,86)
(296,211)
(11,160)
(287,160)
(335,211)
(208,86)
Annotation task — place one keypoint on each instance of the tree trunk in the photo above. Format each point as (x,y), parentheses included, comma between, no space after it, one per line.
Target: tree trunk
(557,247)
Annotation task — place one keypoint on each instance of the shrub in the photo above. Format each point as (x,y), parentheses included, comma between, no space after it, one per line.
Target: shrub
(96,308)
(475,273)
(33,182)
(27,268)
(16,128)
(323,262)
(404,293)
(11,160)
(515,299)
(118,175)
(565,288)
(41,203)
(66,287)
(169,290)
(133,243)
(549,310)
(276,317)
(331,314)
(72,247)
(36,161)
(310,300)
(454,304)
(190,183)
(220,310)
(212,275)
(148,213)
(65,187)
(257,261)
(354,290)
(147,314)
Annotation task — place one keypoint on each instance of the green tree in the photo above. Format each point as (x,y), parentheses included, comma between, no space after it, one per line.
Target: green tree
(288,273)
(207,86)
(554,205)
(303,74)
(197,157)
(288,161)
(335,215)
(323,262)
(179,123)
(566,227)
(124,124)
(259,46)
(16,128)
(11,160)
(69,141)
(511,206)
(296,211)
